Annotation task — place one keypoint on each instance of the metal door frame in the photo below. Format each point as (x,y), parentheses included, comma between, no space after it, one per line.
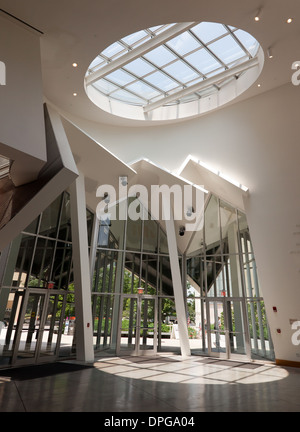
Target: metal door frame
(228,352)
(137,351)
(37,359)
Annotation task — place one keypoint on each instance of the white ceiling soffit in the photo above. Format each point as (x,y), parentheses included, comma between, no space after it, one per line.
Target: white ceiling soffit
(193,171)
(98,165)
(149,175)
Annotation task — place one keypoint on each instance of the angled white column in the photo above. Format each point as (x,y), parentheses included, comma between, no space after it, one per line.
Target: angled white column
(82,279)
(176,279)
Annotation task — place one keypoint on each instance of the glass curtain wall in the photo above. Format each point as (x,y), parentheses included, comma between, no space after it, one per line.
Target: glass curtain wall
(227,305)
(38,289)
(132,257)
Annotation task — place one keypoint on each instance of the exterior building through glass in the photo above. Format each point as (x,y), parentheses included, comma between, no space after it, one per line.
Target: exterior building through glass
(132,298)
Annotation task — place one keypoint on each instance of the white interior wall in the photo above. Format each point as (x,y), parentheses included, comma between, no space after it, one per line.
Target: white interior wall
(257,143)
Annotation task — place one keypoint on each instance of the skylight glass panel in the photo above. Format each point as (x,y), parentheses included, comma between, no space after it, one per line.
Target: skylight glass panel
(227,49)
(160,80)
(139,67)
(120,77)
(183,43)
(209,31)
(203,61)
(142,89)
(128,97)
(113,49)
(180,71)
(97,62)
(248,41)
(160,56)
(105,86)
(135,37)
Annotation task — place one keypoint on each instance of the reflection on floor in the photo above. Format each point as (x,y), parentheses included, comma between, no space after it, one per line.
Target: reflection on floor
(165,383)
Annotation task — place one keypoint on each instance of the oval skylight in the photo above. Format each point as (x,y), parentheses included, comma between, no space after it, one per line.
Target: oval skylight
(174,71)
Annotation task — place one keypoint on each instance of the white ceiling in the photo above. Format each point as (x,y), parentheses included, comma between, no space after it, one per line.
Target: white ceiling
(77,30)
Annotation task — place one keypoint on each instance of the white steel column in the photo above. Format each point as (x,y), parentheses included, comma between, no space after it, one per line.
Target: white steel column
(176,279)
(82,279)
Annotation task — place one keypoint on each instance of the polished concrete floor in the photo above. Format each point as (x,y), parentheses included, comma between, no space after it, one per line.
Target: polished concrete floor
(165,383)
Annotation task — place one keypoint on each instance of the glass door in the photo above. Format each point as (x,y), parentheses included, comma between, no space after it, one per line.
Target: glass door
(138,325)
(228,335)
(40,327)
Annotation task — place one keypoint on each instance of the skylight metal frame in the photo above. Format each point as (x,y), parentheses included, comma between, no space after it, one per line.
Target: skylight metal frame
(139,50)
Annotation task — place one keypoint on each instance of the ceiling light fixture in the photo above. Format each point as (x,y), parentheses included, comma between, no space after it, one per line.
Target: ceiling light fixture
(258,15)
(289,20)
(74,94)
(74,65)
(270,53)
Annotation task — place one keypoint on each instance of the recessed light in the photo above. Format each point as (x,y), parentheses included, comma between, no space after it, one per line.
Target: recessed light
(74,94)
(258,85)
(75,65)
(289,20)
(258,15)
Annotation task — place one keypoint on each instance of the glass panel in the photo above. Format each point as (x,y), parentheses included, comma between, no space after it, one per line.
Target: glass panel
(52,327)
(135,37)
(215,276)
(232,275)
(23,264)
(111,231)
(50,217)
(149,273)
(102,307)
(248,41)
(200,328)
(236,327)
(131,280)
(183,43)
(227,49)
(120,77)
(160,80)
(104,86)
(165,276)
(160,56)
(127,96)
(32,228)
(113,49)
(147,330)
(203,61)
(139,67)
(62,265)
(207,32)
(65,222)
(9,321)
(105,273)
(42,263)
(197,243)
(134,234)
(129,324)
(150,236)
(216,323)
(261,342)
(143,90)
(163,242)
(181,72)
(31,326)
